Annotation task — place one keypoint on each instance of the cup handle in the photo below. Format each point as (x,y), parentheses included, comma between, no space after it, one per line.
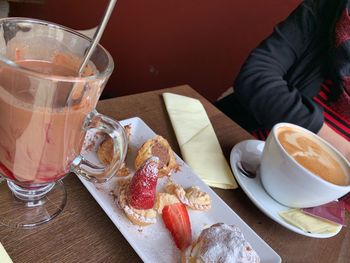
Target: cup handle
(100,173)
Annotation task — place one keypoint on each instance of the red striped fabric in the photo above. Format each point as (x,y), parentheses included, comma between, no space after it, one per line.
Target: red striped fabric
(261,134)
(334,115)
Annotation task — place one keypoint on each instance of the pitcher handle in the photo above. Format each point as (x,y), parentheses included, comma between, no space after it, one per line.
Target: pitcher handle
(99,172)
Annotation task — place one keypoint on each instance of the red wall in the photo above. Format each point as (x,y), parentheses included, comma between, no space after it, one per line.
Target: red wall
(159,43)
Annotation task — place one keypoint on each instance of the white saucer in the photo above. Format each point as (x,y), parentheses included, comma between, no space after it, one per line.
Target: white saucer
(250,151)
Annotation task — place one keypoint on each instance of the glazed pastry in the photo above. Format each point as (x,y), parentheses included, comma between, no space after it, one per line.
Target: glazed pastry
(105,150)
(104,154)
(192,197)
(222,243)
(160,148)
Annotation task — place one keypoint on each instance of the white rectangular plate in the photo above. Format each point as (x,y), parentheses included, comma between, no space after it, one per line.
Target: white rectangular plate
(154,243)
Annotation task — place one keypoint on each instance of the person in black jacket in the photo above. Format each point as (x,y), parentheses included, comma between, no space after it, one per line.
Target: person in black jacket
(299,74)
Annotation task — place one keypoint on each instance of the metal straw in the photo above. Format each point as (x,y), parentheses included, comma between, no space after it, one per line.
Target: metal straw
(97,35)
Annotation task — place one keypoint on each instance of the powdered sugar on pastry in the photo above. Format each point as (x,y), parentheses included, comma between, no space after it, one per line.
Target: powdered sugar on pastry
(192,197)
(176,189)
(164,199)
(222,243)
(197,199)
(136,216)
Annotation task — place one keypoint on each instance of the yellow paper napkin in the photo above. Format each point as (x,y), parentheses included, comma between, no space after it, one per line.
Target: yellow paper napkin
(198,143)
(309,223)
(4,257)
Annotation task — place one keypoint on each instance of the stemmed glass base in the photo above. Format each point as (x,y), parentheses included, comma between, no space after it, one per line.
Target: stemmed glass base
(22,207)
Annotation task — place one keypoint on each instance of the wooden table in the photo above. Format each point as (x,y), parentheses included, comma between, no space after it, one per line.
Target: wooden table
(84,233)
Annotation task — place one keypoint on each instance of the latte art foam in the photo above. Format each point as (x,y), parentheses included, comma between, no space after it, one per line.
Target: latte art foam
(312,155)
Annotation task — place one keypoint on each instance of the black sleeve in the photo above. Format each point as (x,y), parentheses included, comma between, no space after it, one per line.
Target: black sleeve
(261,87)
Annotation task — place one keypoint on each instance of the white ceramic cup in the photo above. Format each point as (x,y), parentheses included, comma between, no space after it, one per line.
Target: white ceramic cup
(290,183)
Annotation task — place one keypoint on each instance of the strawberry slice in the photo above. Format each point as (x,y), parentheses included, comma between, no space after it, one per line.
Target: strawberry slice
(142,188)
(177,221)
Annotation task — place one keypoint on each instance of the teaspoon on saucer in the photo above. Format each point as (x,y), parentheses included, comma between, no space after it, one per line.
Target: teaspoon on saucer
(247,169)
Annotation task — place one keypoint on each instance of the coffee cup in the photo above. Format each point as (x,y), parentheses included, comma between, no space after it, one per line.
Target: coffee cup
(299,169)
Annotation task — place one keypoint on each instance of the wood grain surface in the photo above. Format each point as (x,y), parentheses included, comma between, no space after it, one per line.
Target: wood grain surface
(84,233)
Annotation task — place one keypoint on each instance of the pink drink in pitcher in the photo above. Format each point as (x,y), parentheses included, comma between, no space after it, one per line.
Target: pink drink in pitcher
(46,110)
(40,135)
